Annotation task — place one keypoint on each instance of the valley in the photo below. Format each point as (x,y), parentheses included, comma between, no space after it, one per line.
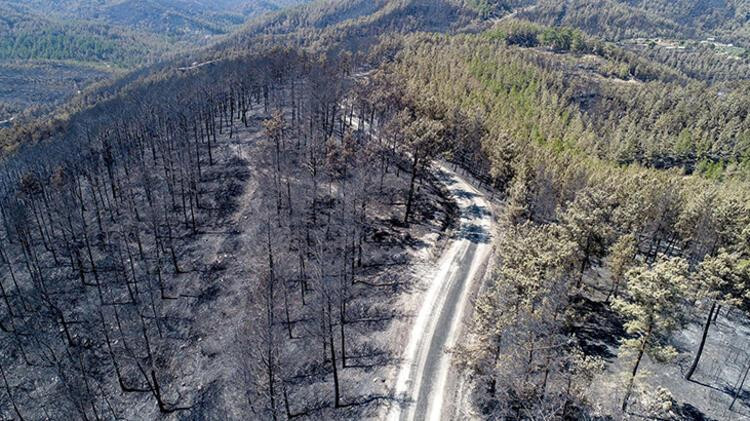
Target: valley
(44,41)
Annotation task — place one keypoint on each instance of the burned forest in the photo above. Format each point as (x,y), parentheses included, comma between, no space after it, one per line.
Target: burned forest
(118,247)
(390,209)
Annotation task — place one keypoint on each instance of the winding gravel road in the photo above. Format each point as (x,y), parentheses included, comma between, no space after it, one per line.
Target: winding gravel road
(423,380)
(422,384)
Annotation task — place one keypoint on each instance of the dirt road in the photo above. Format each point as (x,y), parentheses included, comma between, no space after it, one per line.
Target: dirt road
(422,382)
(423,379)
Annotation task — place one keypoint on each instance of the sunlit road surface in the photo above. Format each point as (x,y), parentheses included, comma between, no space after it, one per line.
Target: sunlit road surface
(422,380)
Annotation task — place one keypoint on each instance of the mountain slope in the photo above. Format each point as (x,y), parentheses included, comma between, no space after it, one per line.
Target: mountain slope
(728,20)
(108,36)
(27,35)
(213,237)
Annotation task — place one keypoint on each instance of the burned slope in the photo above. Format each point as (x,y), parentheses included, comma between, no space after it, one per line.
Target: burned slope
(157,231)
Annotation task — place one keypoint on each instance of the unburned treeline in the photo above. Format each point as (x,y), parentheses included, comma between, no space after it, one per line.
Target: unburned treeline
(666,246)
(588,96)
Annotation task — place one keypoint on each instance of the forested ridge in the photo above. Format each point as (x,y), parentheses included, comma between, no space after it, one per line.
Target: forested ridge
(712,35)
(161,24)
(110,35)
(568,215)
(616,19)
(600,98)
(240,231)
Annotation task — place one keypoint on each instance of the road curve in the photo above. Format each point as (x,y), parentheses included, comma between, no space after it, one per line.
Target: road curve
(422,380)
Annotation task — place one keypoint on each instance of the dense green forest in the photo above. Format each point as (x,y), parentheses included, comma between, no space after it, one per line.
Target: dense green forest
(630,109)
(123,33)
(665,240)
(32,37)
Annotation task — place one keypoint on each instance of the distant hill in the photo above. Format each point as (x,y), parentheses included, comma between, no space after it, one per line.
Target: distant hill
(27,35)
(726,20)
(353,24)
(91,39)
(123,32)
